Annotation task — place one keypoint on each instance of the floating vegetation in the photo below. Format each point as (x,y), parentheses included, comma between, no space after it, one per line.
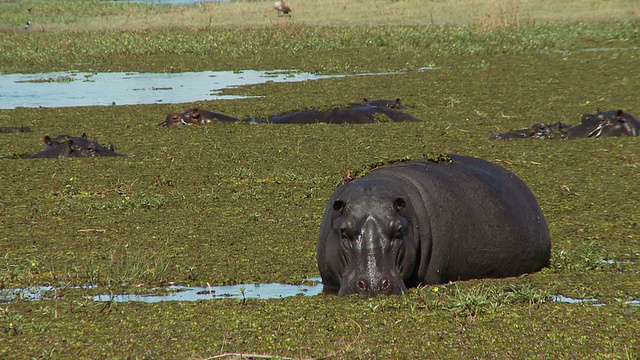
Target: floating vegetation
(57,79)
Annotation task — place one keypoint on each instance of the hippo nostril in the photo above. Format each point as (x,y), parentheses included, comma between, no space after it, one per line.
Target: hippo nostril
(384,284)
(362,284)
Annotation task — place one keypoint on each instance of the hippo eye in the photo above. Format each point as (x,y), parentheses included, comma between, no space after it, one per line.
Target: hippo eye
(399,230)
(398,234)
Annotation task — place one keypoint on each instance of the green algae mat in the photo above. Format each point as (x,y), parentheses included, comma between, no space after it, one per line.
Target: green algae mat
(227,204)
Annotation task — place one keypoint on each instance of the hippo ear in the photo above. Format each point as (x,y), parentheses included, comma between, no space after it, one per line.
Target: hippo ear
(620,112)
(338,206)
(47,140)
(399,204)
(84,136)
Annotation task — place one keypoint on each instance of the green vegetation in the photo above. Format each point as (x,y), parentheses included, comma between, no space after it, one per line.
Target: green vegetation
(235,203)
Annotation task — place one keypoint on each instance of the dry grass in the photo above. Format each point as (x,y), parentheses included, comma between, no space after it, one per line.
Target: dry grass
(487,14)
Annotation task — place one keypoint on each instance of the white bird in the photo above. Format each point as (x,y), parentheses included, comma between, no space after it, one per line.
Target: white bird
(27,25)
(282,8)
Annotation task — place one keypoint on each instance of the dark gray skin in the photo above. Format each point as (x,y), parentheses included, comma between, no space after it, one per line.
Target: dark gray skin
(364,113)
(15,129)
(605,124)
(536,131)
(354,114)
(389,104)
(601,124)
(422,222)
(196,116)
(64,146)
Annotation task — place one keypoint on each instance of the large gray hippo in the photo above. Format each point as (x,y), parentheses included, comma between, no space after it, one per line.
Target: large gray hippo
(430,222)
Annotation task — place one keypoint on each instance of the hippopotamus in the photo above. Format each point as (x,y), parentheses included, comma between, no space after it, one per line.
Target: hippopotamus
(365,113)
(63,146)
(430,221)
(196,116)
(536,131)
(601,124)
(389,104)
(15,129)
(605,124)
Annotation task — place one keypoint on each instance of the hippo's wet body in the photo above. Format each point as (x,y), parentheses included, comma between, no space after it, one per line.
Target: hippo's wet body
(15,129)
(64,146)
(602,124)
(423,222)
(605,124)
(384,103)
(196,116)
(367,112)
(536,131)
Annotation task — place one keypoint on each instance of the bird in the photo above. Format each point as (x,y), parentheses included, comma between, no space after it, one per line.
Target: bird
(282,8)
(27,25)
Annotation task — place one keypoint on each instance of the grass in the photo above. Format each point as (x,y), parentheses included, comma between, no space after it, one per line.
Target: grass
(233,204)
(58,15)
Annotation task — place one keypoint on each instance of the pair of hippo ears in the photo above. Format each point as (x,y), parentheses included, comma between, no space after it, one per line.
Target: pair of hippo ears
(339,205)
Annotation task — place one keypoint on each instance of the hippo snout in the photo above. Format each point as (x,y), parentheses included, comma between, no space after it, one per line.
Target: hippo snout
(374,287)
(365,285)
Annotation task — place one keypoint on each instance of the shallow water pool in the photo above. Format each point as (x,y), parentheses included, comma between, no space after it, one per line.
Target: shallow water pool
(63,89)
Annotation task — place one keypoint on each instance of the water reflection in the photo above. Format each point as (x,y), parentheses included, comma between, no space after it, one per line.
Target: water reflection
(63,89)
(568,300)
(243,291)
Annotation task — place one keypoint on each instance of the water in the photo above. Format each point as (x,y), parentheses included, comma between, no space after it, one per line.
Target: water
(177,293)
(62,89)
(240,291)
(34,293)
(568,300)
(245,291)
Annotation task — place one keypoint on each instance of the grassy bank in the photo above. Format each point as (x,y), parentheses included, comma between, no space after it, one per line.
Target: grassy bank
(94,15)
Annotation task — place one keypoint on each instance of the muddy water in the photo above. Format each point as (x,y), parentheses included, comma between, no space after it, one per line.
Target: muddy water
(62,89)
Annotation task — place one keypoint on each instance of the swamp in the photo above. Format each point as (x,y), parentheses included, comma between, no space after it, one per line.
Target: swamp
(233,204)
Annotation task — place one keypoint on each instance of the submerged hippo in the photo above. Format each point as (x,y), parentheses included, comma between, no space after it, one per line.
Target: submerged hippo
(15,129)
(196,116)
(430,222)
(367,112)
(604,124)
(601,124)
(389,104)
(64,146)
(536,131)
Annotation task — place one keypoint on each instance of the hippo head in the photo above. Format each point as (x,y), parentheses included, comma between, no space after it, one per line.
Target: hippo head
(370,250)
(174,120)
(540,131)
